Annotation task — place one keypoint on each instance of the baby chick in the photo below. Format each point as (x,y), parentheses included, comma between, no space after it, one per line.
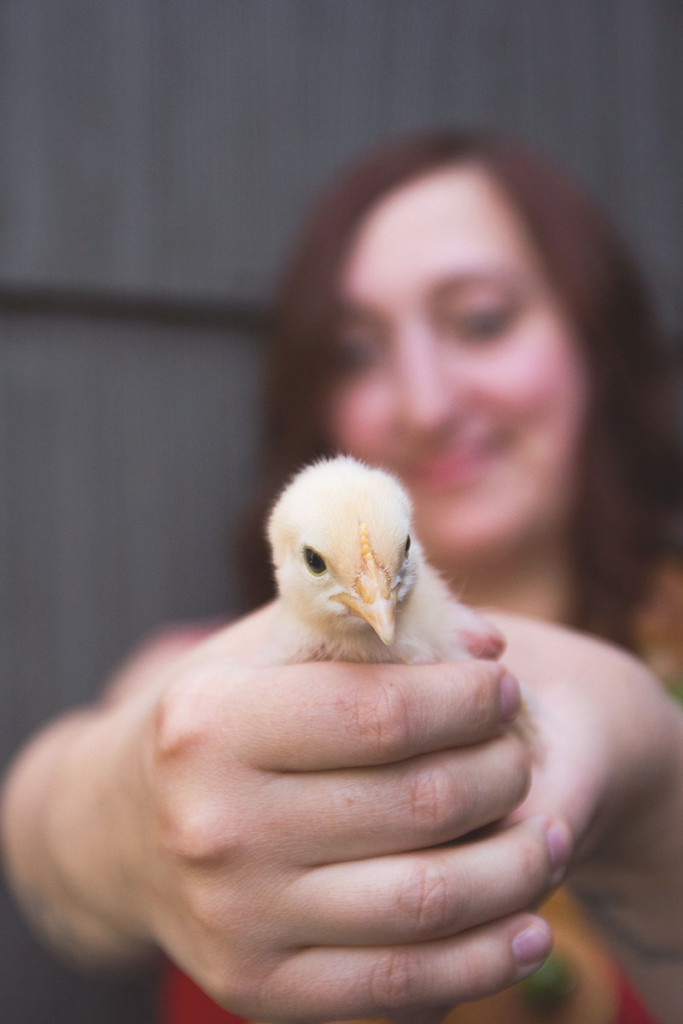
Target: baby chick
(352,579)
(354,584)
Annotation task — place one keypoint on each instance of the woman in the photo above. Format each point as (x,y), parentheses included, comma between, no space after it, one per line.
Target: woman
(460,314)
(622,457)
(531,493)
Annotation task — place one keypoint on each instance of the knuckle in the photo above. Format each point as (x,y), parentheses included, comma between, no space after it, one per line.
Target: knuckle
(425,898)
(230,989)
(253,980)
(193,836)
(396,979)
(205,907)
(433,800)
(185,778)
(382,719)
(179,725)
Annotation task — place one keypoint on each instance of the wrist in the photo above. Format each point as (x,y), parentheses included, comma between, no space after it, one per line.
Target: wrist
(634,825)
(89,836)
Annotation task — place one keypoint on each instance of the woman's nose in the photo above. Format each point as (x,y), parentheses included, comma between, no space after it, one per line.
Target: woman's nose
(427,389)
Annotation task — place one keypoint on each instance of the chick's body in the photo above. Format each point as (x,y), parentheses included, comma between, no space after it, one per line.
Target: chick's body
(353,582)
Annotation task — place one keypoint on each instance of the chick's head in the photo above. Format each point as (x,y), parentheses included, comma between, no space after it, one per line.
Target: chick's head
(341,546)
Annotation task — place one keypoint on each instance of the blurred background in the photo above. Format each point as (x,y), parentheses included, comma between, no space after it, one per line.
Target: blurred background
(156,157)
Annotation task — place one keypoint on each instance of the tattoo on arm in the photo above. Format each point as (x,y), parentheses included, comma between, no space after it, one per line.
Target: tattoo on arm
(607,912)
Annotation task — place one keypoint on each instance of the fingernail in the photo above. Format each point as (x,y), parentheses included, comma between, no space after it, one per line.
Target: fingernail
(510,697)
(559,842)
(532,945)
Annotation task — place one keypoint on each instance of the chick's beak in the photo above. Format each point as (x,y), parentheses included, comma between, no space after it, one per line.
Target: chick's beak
(371,598)
(381,616)
(379,612)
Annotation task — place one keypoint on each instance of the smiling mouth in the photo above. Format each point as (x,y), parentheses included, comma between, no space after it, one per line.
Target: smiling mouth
(456,468)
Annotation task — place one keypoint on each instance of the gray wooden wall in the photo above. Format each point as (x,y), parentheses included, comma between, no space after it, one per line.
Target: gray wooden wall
(155,158)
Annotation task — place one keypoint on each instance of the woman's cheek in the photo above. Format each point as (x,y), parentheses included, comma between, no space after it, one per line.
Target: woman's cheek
(360,422)
(543,379)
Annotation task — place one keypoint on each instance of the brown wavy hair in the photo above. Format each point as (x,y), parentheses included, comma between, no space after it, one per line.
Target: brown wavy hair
(631,486)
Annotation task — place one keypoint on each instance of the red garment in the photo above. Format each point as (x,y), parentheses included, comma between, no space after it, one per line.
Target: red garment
(631,1009)
(183,1002)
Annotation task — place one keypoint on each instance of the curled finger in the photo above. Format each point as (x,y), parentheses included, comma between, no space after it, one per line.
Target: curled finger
(432,894)
(332,983)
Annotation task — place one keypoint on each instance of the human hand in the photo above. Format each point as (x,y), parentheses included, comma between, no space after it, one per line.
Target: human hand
(610,763)
(286,843)
(600,720)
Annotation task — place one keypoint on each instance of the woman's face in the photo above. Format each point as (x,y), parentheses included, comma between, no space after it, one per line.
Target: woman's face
(458,370)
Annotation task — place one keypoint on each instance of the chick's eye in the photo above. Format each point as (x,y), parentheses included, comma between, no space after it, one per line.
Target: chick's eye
(314,561)
(406,551)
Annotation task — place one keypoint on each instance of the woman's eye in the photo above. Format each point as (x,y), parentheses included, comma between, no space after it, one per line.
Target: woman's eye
(358,348)
(477,321)
(314,561)
(482,324)
(354,355)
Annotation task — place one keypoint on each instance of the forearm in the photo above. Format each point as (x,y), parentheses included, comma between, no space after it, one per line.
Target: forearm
(636,899)
(631,917)
(63,826)
(631,880)
(73,815)
(610,762)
